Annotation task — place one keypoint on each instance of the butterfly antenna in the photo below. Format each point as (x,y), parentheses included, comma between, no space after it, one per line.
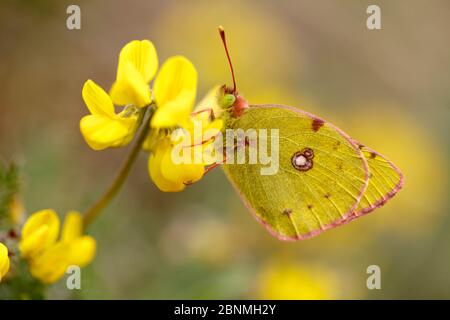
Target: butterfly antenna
(224,41)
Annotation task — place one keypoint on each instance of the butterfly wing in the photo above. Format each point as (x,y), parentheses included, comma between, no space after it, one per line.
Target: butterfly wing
(384,182)
(295,203)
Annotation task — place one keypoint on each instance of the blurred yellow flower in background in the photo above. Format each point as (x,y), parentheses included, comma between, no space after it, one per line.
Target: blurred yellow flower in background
(295,281)
(200,235)
(16,210)
(48,257)
(258,67)
(103,128)
(4,261)
(39,233)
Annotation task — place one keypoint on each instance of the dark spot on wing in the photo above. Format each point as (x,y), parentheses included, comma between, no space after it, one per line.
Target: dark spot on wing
(360,146)
(336,145)
(262,210)
(308,153)
(287,211)
(317,124)
(373,155)
(340,166)
(302,160)
(327,195)
(310,206)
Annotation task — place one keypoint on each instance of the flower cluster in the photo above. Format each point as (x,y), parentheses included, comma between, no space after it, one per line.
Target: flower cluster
(172,99)
(49,256)
(170,126)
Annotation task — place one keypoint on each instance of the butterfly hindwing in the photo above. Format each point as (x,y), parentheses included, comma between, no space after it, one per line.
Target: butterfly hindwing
(303,198)
(384,182)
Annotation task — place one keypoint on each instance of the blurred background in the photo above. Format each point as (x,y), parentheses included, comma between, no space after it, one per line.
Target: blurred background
(388,89)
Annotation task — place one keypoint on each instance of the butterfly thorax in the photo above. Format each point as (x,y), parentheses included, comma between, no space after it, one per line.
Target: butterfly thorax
(239,107)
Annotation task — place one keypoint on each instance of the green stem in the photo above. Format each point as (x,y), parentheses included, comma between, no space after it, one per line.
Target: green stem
(111,192)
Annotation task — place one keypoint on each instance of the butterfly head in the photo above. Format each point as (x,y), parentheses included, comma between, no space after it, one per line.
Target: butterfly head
(230,99)
(233,102)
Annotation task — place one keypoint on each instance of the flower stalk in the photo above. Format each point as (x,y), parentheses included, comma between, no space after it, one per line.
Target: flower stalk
(92,212)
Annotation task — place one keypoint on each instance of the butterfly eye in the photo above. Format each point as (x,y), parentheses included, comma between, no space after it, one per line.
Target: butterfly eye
(227,100)
(302,160)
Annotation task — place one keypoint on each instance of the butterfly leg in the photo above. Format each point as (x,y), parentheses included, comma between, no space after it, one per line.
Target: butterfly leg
(211,118)
(212,138)
(210,110)
(214,165)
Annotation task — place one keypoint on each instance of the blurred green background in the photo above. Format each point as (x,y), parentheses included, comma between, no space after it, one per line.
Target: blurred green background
(389,89)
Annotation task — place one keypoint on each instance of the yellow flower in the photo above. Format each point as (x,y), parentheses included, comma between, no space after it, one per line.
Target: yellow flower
(4,261)
(168,175)
(104,128)
(174,90)
(292,281)
(39,233)
(48,257)
(137,66)
(181,159)
(200,132)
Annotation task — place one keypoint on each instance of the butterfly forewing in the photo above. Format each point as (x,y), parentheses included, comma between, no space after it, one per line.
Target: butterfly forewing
(321,178)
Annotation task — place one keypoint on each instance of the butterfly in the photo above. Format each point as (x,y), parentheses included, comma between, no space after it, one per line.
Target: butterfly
(325,177)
